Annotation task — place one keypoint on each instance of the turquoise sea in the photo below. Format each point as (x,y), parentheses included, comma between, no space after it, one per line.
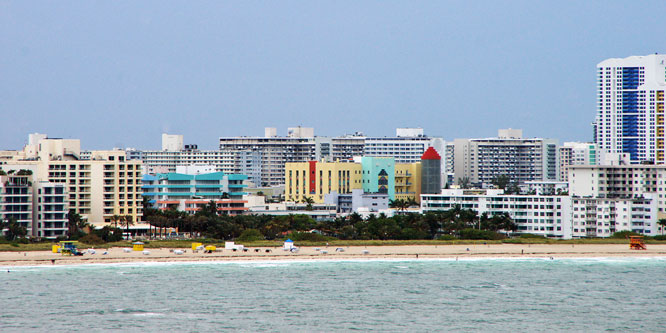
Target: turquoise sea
(490,295)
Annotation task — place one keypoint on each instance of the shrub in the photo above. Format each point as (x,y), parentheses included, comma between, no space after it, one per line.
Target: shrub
(411,233)
(480,234)
(531,236)
(624,234)
(91,239)
(308,236)
(108,234)
(249,235)
(660,237)
(446,237)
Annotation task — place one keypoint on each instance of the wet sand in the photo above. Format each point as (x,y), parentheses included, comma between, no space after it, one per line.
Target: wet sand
(117,255)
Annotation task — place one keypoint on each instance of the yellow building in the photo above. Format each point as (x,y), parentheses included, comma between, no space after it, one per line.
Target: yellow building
(408,181)
(97,188)
(316,179)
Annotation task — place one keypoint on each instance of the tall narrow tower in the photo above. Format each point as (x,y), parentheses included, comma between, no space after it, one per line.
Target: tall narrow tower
(630,107)
(431,172)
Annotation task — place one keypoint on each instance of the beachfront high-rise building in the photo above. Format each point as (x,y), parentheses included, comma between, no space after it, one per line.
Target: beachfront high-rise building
(16,199)
(50,210)
(40,207)
(480,161)
(107,184)
(272,152)
(630,107)
(406,147)
(575,153)
(175,154)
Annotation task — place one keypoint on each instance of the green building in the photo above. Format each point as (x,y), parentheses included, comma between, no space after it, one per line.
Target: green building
(379,175)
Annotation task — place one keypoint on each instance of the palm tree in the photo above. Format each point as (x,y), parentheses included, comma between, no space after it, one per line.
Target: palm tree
(463,182)
(126,221)
(76,223)
(308,201)
(411,202)
(399,204)
(662,223)
(14,229)
(116,218)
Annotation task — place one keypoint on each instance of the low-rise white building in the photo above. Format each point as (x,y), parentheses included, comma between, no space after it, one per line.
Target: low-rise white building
(357,201)
(601,217)
(547,215)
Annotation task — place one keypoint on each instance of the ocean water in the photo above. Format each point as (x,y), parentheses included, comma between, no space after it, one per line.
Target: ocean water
(493,295)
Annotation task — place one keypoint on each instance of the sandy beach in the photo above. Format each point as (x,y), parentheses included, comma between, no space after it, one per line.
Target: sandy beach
(117,255)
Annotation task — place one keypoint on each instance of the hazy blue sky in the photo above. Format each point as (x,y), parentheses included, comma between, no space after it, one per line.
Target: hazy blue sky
(119,73)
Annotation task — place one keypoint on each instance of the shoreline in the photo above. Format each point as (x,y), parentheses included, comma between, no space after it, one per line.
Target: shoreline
(403,252)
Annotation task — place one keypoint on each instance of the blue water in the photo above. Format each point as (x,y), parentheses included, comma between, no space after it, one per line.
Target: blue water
(415,295)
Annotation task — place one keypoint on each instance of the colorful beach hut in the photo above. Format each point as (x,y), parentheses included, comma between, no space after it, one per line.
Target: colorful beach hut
(288,245)
(137,246)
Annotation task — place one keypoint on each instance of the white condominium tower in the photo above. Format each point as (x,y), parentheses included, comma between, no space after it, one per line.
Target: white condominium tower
(509,154)
(630,107)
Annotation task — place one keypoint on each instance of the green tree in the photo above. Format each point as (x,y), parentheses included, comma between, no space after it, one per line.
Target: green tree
(662,224)
(399,204)
(464,182)
(308,201)
(250,235)
(76,225)
(14,229)
(116,218)
(127,221)
(501,181)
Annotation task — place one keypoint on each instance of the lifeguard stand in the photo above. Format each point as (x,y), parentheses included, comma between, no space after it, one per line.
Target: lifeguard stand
(137,246)
(68,248)
(636,243)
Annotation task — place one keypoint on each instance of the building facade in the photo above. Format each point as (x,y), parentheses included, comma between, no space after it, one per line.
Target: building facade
(431,174)
(317,179)
(357,201)
(379,175)
(50,210)
(549,216)
(408,181)
(630,107)
(621,182)
(97,188)
(190,193)
(480,161)
(601,217)
(575,153)
(16,200)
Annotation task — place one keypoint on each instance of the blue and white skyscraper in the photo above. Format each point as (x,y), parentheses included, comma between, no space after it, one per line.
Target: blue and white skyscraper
(630,107)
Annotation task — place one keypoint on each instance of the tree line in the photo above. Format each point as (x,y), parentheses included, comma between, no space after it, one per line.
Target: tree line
(430,225)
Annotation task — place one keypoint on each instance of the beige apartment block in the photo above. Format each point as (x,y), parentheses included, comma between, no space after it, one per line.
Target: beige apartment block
(98,188)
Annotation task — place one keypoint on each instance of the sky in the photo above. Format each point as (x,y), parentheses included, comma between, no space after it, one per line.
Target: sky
(121,73)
